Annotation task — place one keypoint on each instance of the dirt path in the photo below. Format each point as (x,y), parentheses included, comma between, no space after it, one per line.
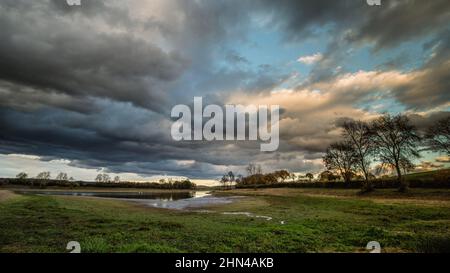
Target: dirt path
(6,195)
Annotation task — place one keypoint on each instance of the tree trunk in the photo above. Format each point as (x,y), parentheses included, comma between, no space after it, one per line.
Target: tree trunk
(347,178)
(403,184)
(367,187)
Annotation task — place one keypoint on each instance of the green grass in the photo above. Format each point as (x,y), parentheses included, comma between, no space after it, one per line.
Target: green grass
(425,175)
(313,224)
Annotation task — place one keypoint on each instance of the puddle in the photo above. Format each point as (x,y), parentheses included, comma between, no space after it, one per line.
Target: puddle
(248,214)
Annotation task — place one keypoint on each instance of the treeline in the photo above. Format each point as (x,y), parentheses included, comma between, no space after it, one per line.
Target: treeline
(44,183)
(439,180)
(390,140)
(257,177)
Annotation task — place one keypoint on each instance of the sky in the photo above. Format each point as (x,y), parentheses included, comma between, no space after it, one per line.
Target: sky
(89,89)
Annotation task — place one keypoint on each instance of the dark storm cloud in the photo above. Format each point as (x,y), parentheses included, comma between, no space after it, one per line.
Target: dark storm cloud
(394,22)
(107,139)
(402,20)
(429,88)
(432,84)
(422,122)
(65,55)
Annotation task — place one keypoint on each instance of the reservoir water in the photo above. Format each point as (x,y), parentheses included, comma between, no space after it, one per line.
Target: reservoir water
(158,199)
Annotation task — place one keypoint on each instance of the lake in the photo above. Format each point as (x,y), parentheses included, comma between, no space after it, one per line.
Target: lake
(168,200)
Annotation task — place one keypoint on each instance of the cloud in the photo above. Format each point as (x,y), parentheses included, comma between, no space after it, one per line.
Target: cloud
(411,19)
(311,59)
(82,55)
(443,159)
(359,22)
(425,166)
(310,117)
(419,89)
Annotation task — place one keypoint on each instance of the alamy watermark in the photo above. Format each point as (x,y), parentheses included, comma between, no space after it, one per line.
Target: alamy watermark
(374,247)
(373,2)
(73,2)
(234,127)
(74,247)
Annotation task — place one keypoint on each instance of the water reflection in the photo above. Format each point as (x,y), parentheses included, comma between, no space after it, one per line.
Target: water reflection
(167,200)
(166,196)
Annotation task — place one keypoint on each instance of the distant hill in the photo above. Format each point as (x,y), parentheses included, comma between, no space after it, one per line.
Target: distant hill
(426,175)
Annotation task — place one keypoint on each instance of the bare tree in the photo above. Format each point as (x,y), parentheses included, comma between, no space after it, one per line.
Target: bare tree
(259,169)
(231,178)
(239,178)
(293,176)
(251,169)
(310,176)
(437,137)
(396,143)
(62,177)
(117,179)
(341,157)
(106,178)
(99,178)
(224,180)
(103,177)
(358,136)
(22,175)
(43,176)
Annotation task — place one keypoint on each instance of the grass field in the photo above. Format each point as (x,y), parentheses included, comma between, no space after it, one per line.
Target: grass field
(316,220)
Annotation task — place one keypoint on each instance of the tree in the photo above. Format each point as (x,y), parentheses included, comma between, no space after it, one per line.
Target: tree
(22,175)
(259,169)
(103,177)
(251,169)
(99,178)
(117,179)
(327,176)
(341,157)
(224,180)
(281,176)
(396,142)
(358,135)
(228,179)
(106,178)
(437,136)
(62,177)
(43,176)
(231,177)
(310,176)
(293,177)
(239,178)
